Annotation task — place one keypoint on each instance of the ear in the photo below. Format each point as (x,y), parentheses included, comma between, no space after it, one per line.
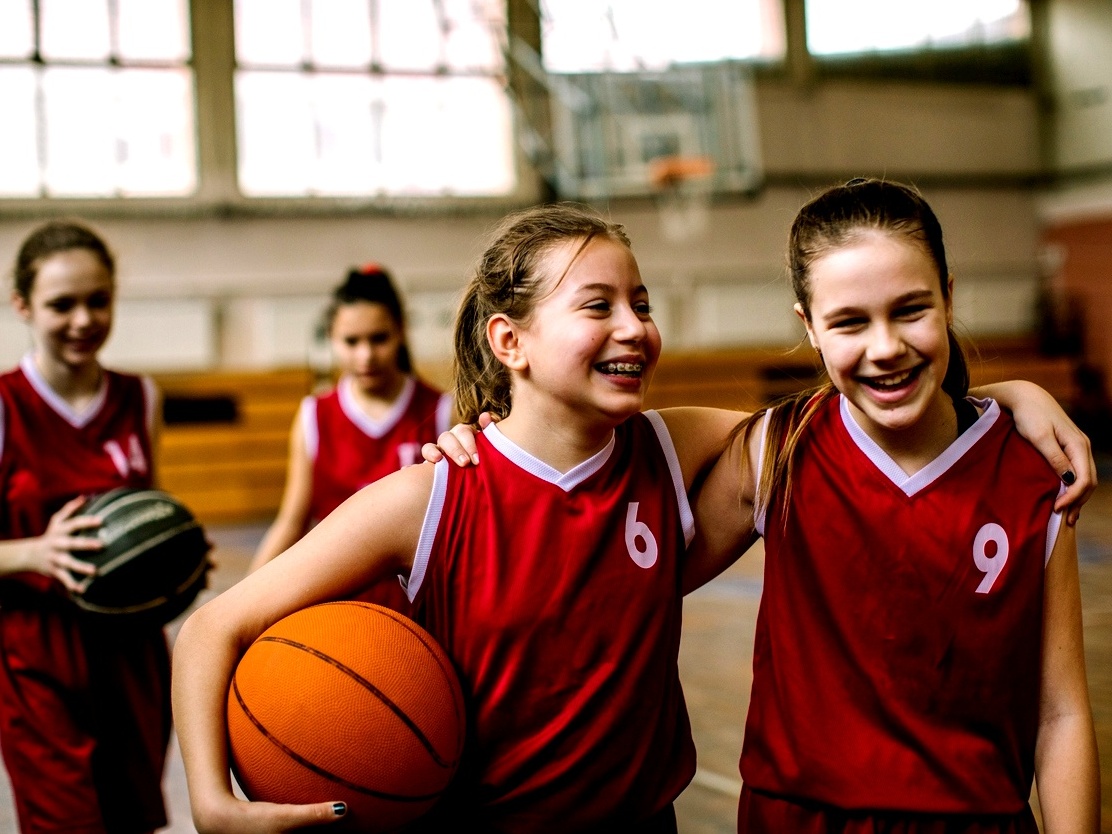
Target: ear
(799,311)
(504,339)
(19,304)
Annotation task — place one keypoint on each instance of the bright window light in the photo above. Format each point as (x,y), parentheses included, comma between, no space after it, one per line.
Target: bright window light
(838,27)
(632,35)
(108,110)
(362,98)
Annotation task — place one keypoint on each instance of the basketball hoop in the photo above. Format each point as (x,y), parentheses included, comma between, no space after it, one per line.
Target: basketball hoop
(682,188)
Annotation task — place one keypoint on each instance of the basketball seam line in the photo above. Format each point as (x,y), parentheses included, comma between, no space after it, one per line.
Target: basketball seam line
(366,684)
(317,768)
(146,544)
(434,650)
(201,569)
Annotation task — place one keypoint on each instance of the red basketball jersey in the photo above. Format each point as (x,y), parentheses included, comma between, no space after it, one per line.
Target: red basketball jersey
(50,453)
(558,598)
(350,450)
(897,656)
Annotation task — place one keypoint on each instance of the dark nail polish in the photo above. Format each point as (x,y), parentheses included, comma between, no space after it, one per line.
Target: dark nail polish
(1068,477)
(339,809)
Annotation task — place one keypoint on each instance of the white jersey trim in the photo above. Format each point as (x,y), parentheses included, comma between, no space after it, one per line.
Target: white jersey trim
(567,481)
(911,484)
(310,431)
(412,584)
(687,518)
(444,413)
(77,419)
(369,426)
(760,504)
(1053,527)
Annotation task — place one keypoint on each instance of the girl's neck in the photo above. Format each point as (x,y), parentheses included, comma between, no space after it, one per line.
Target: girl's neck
(914,447)
(377,404)
(77,385)
(561,443)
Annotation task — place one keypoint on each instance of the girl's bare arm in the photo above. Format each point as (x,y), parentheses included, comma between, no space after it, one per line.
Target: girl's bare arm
(371,535)
(1066,766)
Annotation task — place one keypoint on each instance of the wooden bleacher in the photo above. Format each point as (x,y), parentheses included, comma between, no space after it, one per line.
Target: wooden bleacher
(233,470)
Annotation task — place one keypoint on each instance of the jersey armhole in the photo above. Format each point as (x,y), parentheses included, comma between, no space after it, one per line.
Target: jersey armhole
(760,502)
(412,584)
(309,431)
(687,518)
(1053,527)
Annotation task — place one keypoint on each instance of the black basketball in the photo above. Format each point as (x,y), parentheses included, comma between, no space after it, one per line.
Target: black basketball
(154,561)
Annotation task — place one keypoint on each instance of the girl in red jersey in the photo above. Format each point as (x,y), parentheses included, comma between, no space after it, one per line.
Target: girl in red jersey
(84,711)
(918,657)
(371,424)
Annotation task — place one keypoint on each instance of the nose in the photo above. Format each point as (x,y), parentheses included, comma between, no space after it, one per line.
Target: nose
(885,343)
(629,326)
(81,316)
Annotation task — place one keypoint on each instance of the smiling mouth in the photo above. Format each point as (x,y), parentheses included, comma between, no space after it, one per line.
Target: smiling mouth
(891,382)
(630,369)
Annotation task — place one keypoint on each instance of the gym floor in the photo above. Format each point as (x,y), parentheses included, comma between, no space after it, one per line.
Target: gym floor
(715,663)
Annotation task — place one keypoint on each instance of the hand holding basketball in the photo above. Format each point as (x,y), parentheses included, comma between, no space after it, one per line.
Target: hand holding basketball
(51,553)
(349,701)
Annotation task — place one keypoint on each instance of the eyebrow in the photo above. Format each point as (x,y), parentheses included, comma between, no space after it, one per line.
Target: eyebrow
(906,298)
(603,287)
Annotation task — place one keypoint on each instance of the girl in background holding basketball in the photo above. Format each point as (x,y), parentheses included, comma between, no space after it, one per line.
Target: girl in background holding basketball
(371,424)
(84,710)
(918,656)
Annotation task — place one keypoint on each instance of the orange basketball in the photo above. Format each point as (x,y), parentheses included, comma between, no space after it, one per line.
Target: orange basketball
(347,701)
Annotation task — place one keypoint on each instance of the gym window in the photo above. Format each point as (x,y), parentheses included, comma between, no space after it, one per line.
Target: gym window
(358,98)
(97,97)
(581,36)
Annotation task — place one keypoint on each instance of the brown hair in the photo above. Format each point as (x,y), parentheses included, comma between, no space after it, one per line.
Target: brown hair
(509,278)
(50,239)
(833,219)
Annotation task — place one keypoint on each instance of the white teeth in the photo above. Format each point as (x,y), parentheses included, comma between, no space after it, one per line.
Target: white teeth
(891,381)
(621,367)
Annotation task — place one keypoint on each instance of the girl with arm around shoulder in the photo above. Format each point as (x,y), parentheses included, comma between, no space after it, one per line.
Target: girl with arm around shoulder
(918,659)
(84,710)
(551,574)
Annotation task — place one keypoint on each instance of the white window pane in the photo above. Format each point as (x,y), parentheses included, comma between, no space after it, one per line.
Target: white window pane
(75,29)
(153,29)
(409,35)
(476,34)
(16,38)
(341,33)
(277,146)
(420,113)
(269,32)
(80,138)
(626,35)
(349,158)
(19,170)
(848,26)
(156,153)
